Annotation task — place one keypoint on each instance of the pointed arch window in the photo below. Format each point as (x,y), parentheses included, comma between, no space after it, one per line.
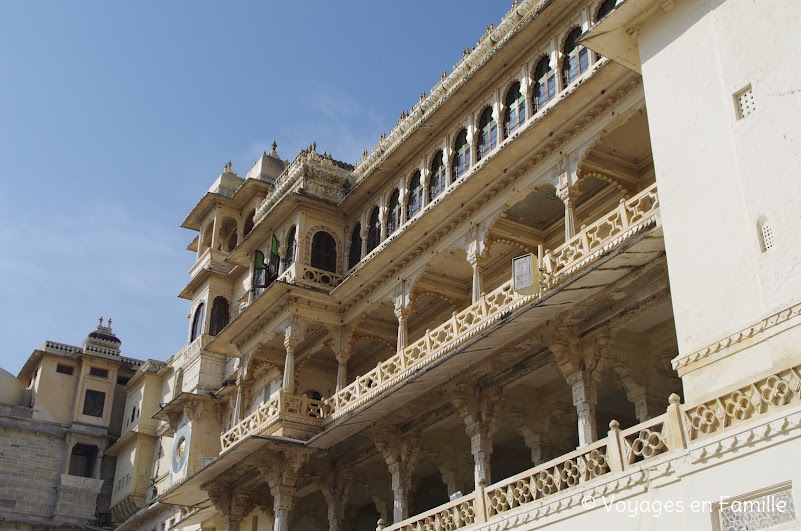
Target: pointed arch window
(220,315)
(248,222)
(438,180)
(275,259)
(394,218)
(289,255)
(355,246)
(415,202)
(374,230)
(544,84)
(198,322)
(577,58)
(461,155)
(324,252)
(515,114)
(487,134)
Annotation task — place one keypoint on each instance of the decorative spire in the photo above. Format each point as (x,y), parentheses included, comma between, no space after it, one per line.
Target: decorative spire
(444,75)
(100,321)
(109,323)
(228,167)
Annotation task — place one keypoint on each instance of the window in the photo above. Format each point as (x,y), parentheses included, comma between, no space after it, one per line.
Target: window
(373,231)
(324,252)
(515,114)
(394,218)
(461,155)
(122,380)
(544,84)
(415,202)
(100,373)
(93,402)
(259,271)
(198,322)
(576,58)
(289,255)
(355,246)
(744,102)
(605,8)
(82,460)
(219,315)
(275,260)
(65,369)
(438,180)
(487,134)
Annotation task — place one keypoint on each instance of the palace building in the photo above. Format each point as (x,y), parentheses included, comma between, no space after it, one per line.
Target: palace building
(562,291)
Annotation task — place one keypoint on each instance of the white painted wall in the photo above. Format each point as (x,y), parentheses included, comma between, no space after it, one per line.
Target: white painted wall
(716,174)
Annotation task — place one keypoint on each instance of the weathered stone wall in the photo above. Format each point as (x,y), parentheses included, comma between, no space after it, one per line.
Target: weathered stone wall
(31,462)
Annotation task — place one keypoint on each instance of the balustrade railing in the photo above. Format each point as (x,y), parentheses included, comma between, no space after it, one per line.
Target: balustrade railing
(270,413)
(458,328)
(319,276)
(455,514)
(760,397)
(627,219)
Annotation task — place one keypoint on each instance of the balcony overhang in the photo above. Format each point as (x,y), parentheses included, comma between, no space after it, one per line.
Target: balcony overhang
(274,296)
(190,493)
(173,411)
(242,195)
(615,36)
(580,284)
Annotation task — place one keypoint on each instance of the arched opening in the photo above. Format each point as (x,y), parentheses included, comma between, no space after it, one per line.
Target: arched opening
(355,253)
(197,322)
(208,232)
(415,202)
(220,315)
(461,155)
(604,9)
(576,58)
(82,460)
(394,217)
(438,180)
(487,134)
(544,84)
(374,231)
(289,255)
(228,234)
(249,222)
(515,114)
(324,252)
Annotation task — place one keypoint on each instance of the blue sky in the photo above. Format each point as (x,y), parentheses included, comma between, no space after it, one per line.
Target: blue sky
(115,117)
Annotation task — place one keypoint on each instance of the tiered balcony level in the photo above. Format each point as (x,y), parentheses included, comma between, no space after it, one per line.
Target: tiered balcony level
(612,231)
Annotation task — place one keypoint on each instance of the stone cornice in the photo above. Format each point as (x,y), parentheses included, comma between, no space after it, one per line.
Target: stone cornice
(741,339)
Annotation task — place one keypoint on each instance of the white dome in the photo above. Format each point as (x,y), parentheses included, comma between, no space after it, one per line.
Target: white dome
(10,389)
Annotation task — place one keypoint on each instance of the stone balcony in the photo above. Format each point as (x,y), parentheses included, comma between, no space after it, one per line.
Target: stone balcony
(618,227)
(628,462)
(284,414)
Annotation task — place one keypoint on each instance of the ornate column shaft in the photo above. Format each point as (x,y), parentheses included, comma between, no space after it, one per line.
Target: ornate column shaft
(477,263)
(568,195)
(401,453)
(364,232)
(403,316)
(244,365)
(289,367)
(585,399)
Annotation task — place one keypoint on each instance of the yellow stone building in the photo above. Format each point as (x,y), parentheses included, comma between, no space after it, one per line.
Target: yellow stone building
(563,291)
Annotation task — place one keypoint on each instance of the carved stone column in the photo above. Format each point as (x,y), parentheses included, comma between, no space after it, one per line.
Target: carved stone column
(280,471)
(384,215)
(244,365)
(335,488)
(477,410)
(401,453)
(365,230)
(403,316)
(568,195)
(477,263)
(586,400)
(232,505)
(293,335)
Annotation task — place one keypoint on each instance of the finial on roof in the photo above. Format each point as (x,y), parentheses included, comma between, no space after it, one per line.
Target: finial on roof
(365,154)
(100,321)
(275,145)
(109,322)
(228,167)
(444,74)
